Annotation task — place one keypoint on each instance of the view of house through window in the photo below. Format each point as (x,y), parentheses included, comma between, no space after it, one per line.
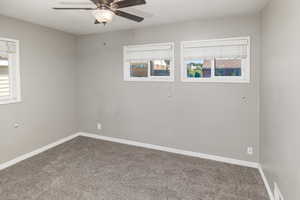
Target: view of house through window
(228,67)
(157,68)
(139,69)
(160,67)
(200,68)
(4,76)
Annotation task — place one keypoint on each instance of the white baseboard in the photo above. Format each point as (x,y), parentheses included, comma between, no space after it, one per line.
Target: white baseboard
(38,151)
(133,143)
(173,150)
(144,145)
(267,185)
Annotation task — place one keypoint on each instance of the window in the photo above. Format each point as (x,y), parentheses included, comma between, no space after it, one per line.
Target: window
(139,69)
(151,62)
(160,68)
(222,60)
(228,67)
(9,71)
(198,68)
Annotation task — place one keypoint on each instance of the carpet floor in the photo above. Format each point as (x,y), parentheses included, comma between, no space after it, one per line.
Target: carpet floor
(90,169)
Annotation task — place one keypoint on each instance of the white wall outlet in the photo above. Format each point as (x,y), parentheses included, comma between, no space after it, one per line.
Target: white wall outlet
(250,151)
(99,126)
(16,125)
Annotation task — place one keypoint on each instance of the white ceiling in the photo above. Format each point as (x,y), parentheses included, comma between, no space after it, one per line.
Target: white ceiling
(155,12)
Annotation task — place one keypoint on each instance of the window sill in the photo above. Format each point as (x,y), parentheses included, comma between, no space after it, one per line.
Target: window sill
(5,102)
(148,80)
(208,80)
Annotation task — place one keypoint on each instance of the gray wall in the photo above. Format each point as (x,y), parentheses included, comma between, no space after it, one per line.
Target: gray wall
(210,118)
(47,111)
(280,97)
(190,116)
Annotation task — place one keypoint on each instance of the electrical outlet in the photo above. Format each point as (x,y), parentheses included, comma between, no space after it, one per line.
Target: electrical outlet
(250,151)
(16,125)
(99,126)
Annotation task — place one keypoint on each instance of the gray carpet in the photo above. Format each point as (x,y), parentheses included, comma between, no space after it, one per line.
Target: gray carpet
(89,169)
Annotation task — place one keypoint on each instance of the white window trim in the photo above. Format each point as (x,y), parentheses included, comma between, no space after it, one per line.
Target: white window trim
(246,65)
(14,77)
(126,65)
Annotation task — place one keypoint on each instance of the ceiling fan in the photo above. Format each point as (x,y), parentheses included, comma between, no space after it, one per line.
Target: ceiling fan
(107,9)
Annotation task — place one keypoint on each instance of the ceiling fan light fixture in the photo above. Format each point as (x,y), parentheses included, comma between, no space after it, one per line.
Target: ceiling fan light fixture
(107,9)
(103,15)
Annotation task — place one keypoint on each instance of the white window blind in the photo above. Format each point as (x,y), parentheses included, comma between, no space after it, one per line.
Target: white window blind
(148,52)
(217,60)
(149,62)
(4,86)
(231,48)
(9,71)
(7,47)
(4,74)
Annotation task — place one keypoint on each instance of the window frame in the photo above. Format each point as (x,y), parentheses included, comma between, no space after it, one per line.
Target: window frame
(245,65)
(14,75)
(126,64)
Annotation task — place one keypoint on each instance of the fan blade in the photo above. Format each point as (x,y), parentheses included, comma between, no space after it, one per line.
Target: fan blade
(95,2)
(75,3)
(129,3)
(138,12)
(128,16)
(101,1)
(96,22)
(74,8)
